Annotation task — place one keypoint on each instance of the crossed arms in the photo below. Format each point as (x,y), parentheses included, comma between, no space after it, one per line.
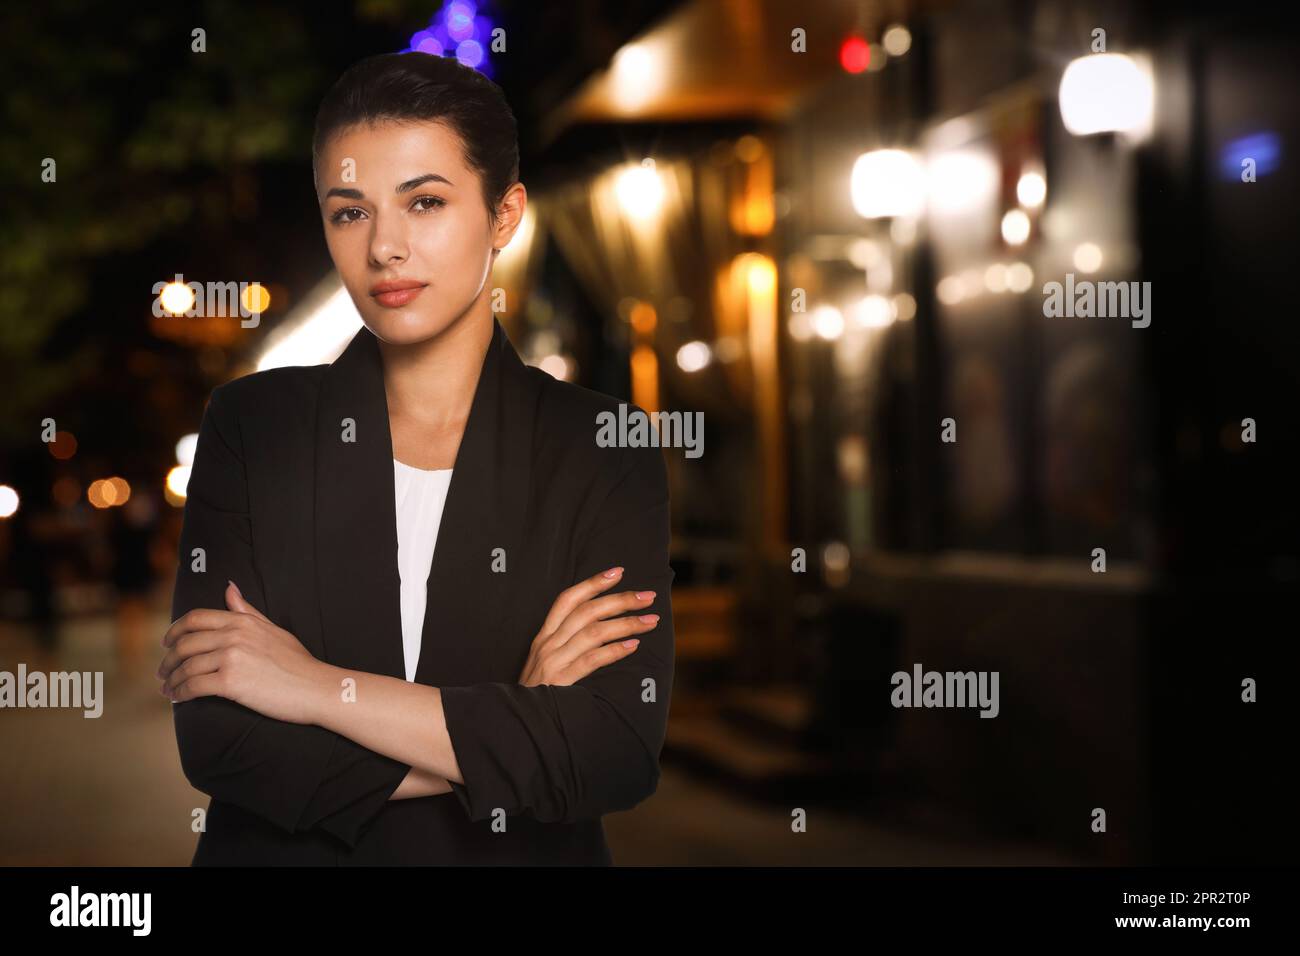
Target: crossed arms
(323,754)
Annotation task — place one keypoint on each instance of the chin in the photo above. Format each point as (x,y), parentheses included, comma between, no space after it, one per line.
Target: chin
(398,327)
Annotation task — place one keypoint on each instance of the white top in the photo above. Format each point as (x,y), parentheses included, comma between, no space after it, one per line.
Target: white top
(420,495)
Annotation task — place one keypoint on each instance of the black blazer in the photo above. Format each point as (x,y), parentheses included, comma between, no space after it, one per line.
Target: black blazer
(305,523)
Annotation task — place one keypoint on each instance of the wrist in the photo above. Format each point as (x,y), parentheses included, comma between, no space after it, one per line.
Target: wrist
(325,690)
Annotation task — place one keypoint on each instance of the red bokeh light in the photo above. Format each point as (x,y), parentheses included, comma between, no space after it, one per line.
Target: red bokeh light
(855,54)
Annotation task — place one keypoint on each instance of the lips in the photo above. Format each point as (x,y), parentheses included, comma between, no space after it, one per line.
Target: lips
(396,293)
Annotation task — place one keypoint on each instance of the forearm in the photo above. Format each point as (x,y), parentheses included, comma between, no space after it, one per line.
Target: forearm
(393,717)
(420,783)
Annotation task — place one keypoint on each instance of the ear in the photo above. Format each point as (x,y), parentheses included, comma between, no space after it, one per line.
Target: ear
(510,213)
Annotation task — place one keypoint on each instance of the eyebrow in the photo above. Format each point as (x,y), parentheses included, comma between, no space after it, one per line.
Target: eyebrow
(405,187)
(410,184)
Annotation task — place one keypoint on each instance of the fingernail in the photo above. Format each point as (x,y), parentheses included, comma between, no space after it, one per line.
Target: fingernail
(631,643)
(643,595)
(613,572)
(648,618)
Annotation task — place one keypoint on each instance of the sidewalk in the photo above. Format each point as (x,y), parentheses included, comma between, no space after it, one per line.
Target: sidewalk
(110,791)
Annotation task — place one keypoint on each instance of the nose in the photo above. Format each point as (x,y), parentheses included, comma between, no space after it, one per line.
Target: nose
(388,243)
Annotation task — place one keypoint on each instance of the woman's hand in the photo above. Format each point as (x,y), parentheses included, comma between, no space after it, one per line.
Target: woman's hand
(240,655)
(573,641)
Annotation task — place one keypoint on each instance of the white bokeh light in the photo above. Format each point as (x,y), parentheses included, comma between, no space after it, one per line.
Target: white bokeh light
(828,322)
(887,182)
(1015,227)
(1106,92)
(1031,189)
(1087,257)
(694,356)
(1019,277)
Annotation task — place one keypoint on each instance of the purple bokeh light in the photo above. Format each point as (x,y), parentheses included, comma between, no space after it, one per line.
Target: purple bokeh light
(470,52)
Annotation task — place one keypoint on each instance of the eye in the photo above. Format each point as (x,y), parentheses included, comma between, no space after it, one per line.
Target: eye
(434,202)
(341,216)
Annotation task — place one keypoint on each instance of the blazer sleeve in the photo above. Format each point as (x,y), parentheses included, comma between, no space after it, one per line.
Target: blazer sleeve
(297,776)
(564,754)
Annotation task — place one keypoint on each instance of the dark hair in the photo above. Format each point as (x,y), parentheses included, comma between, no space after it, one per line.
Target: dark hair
(415,87)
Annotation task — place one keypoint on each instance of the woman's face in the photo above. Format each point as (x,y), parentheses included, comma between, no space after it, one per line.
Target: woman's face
(407,227)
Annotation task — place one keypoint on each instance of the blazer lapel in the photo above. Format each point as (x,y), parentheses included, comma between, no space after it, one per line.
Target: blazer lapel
(486,510)
(356,517)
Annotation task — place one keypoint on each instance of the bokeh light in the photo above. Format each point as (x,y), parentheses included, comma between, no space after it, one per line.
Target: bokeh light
(1015,227)
(1019,277)
(855,54)
(897,40)
(1031,189)
(639,190)
(8,501)
(255,298)
(185,449)
(177,298)
(828,322)
(694,356)
(1087,257)
(64,445)
(174,488)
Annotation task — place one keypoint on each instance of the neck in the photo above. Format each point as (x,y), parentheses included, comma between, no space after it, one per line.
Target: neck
(433,382)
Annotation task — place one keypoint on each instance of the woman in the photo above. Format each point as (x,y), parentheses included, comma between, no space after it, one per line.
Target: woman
(346,692)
